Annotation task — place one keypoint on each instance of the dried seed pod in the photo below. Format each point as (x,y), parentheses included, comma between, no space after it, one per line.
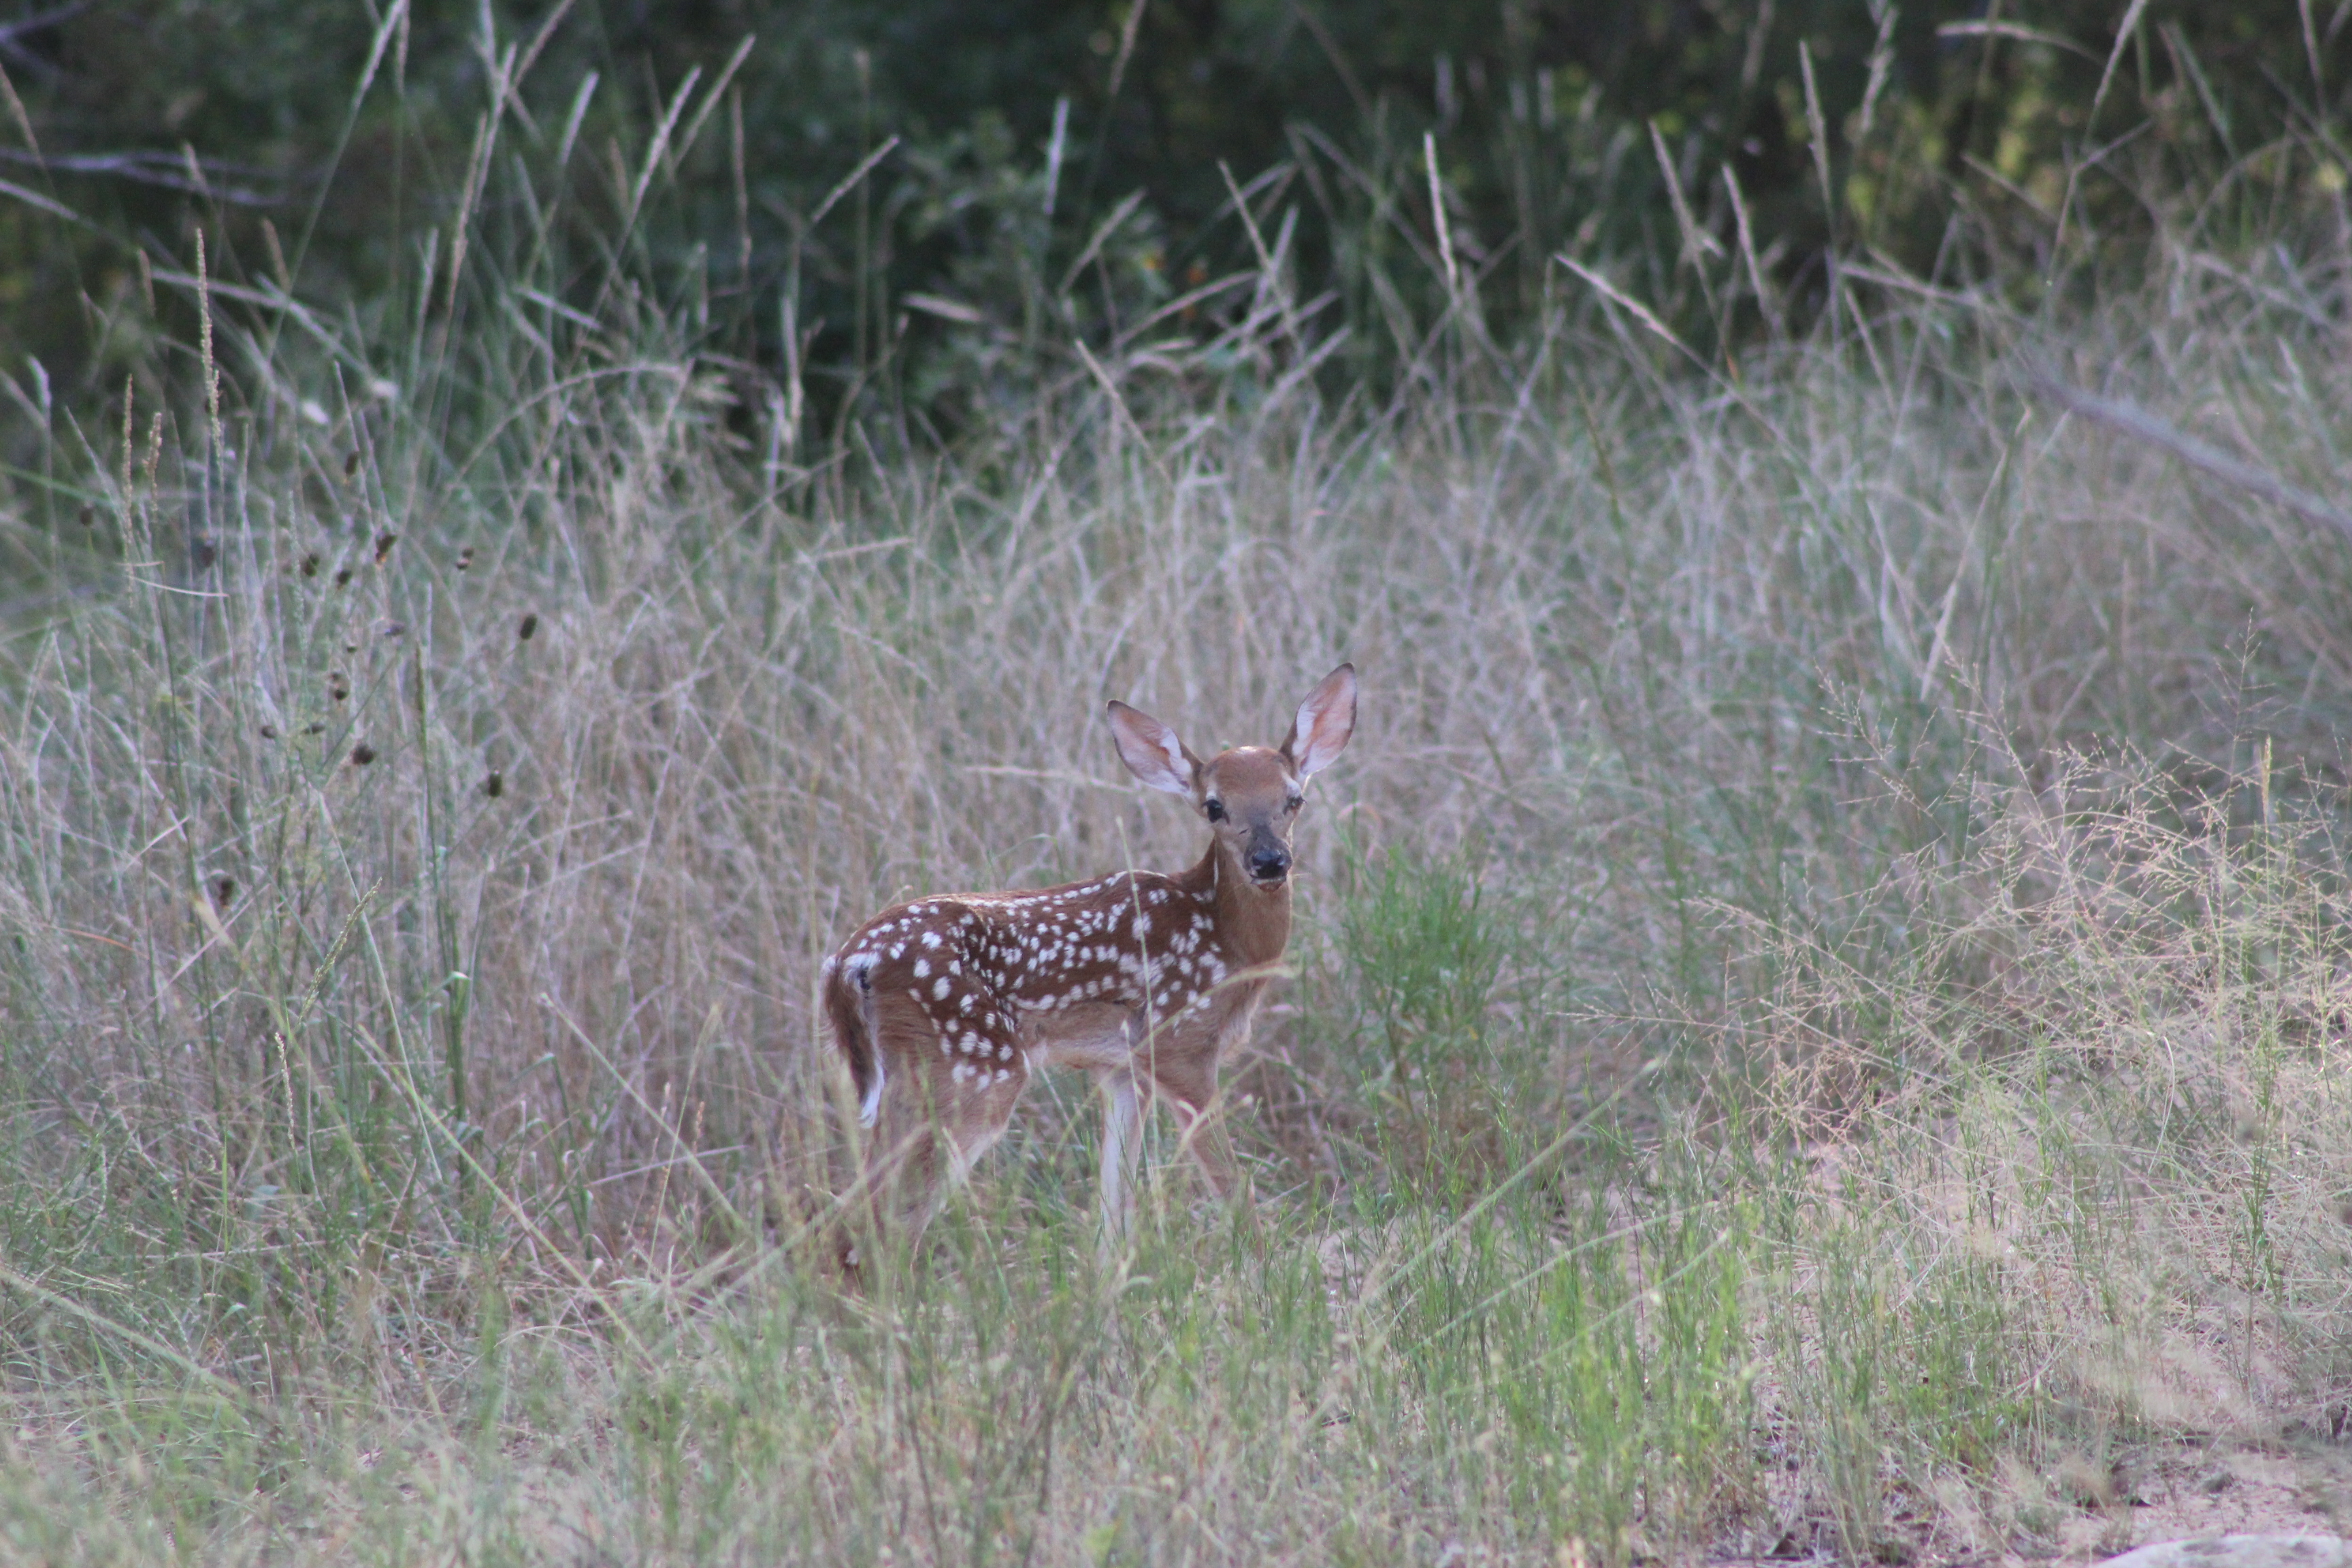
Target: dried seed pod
(342,576)
(351,464)
(316,727)
(384,544)
(391,628)
(465,558)
(311,564)
(495,786)
(224,889)
(529,629)
(339,685)
(363,754)
(270,731)
(88,515)
(203,553)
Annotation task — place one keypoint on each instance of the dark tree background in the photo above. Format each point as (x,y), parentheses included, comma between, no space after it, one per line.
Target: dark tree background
(1959,138)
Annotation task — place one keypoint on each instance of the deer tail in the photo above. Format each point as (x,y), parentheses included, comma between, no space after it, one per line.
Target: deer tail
(849,1006)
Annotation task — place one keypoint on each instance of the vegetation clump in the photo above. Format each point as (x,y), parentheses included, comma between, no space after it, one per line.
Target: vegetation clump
(1820,1008)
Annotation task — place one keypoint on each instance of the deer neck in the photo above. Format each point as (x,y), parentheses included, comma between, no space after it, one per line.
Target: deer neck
(1253,921)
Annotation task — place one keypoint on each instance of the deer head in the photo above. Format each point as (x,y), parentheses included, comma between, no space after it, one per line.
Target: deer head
(1250,795)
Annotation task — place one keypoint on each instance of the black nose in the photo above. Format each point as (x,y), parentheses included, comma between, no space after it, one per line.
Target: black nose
(1268,865)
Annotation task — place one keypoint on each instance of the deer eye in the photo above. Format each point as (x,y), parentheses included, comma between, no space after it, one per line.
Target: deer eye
(1216,810)
(1293,803)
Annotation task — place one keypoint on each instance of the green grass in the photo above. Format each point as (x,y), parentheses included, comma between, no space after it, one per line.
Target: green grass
(1817,1012)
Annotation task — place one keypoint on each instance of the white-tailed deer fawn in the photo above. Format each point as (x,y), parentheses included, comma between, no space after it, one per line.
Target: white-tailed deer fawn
(945,1007)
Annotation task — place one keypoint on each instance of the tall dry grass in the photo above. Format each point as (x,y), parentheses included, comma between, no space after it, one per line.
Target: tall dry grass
(1818,997)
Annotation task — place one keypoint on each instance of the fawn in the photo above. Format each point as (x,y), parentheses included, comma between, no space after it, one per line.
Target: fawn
(945,1007)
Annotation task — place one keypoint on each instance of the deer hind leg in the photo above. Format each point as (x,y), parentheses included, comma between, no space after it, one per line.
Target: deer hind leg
(951,1083)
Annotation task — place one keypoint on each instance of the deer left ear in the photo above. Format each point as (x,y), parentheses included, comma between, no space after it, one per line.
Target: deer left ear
(1325,721)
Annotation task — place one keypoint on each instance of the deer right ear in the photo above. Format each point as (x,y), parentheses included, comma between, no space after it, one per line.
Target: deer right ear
(1151,751)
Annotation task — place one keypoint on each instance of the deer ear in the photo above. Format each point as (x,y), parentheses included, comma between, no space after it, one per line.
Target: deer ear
(1151,751)
(1325,721)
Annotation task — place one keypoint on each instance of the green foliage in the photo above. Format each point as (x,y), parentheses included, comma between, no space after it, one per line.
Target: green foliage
(1425,958)
(1674,150)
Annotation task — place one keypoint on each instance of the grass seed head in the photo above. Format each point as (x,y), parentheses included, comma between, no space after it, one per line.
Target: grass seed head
(268,732)
(88,516)
(384,544)
(465,558)
(495,786)
(339,685)
(342,576)
(528,630)
(350,465)
(224,891)
(363,754)
(311,564)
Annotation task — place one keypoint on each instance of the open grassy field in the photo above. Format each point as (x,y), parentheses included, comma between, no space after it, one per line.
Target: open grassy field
(1817,1024)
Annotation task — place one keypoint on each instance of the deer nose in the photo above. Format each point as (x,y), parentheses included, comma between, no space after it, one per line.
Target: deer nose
(1268,863)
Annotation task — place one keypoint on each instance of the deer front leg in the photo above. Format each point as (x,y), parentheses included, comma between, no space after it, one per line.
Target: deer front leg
(1190,1086)
(1121,1142)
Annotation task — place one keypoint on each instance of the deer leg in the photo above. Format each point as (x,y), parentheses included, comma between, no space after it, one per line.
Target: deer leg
(981,1109)
(903,1170)
(1190,1086)
(1121,1140)
(945,1099)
